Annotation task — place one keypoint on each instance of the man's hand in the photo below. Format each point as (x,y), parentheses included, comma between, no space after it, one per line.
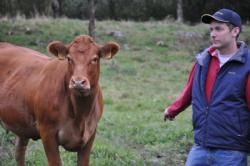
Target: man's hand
(168,116)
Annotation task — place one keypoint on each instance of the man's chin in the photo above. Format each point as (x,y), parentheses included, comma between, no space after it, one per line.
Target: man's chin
(217,46)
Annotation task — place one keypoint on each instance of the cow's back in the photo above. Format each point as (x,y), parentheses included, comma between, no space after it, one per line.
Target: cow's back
(19,60)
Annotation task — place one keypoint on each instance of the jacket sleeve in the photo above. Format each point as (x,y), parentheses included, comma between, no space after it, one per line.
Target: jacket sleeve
(184,99)
(248,91)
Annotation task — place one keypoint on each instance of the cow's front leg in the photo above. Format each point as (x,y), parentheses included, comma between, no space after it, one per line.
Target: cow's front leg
(21,144)
(84,154)
(50,144)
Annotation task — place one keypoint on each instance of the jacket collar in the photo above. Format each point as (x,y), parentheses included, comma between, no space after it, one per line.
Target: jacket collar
(239,56)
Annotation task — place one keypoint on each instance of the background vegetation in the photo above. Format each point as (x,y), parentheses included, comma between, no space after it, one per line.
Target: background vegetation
(140,10)
(144,78)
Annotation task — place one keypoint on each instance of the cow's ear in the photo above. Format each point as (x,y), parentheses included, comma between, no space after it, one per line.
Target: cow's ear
(58,49)
(109,50)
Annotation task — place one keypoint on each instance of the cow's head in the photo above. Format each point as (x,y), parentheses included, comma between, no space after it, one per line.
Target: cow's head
(83,56)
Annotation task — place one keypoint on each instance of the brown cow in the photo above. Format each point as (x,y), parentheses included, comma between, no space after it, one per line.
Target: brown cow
(56,99)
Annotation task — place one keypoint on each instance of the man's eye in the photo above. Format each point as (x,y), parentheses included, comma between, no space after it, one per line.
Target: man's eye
(218,28)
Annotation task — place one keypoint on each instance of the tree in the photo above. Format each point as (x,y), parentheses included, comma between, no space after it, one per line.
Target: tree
(92,8)
(179,11)
(56,8)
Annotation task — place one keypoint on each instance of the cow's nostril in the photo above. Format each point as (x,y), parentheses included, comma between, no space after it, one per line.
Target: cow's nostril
(78,83)
(82,82)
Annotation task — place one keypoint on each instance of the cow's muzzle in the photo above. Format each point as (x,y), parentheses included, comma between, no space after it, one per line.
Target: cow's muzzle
(79,84)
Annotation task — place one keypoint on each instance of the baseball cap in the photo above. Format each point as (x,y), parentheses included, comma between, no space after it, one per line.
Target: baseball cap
(223,15)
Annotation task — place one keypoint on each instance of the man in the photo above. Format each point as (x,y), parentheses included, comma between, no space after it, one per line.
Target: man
(219,90)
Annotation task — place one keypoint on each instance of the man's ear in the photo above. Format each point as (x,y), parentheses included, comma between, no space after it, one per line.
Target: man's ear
(109,50)
(58,49)
(236,31)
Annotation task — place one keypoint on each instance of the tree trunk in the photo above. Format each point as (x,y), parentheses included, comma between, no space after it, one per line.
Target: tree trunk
(56,8)
(92,9)
(179,11)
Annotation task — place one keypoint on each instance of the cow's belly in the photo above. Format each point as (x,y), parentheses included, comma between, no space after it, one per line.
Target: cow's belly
(21,127)
(22,131)
(19,122)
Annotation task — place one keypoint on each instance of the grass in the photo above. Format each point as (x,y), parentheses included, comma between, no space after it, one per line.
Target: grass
(144,78)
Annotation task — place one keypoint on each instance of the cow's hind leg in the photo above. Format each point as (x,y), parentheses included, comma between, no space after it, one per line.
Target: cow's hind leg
(21,144)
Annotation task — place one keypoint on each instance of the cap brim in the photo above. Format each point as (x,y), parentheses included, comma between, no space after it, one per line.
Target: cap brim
(207,19)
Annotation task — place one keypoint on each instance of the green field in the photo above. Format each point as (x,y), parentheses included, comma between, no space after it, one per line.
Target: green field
(146,76)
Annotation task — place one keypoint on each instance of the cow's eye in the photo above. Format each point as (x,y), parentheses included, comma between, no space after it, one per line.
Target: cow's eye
(95,60)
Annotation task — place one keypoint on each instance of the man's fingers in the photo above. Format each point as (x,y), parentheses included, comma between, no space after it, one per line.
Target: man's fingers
(167,116)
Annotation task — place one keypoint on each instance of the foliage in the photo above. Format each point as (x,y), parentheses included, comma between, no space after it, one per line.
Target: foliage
(140,10)
(146,76)
(29,8)
(75,8)
(193,9)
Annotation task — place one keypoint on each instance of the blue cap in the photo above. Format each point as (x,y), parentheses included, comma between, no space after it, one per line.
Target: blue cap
(223,15)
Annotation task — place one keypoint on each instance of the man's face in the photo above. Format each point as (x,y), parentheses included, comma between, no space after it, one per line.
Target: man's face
(221,36)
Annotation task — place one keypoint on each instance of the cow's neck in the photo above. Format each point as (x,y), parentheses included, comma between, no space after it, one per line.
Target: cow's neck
(83,105)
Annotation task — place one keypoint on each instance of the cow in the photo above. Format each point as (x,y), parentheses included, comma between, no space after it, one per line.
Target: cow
(55,99)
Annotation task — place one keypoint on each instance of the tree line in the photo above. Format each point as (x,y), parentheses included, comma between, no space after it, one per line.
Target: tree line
(138,10)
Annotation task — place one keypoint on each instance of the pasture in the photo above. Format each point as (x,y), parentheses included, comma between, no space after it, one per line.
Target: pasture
(146,76)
